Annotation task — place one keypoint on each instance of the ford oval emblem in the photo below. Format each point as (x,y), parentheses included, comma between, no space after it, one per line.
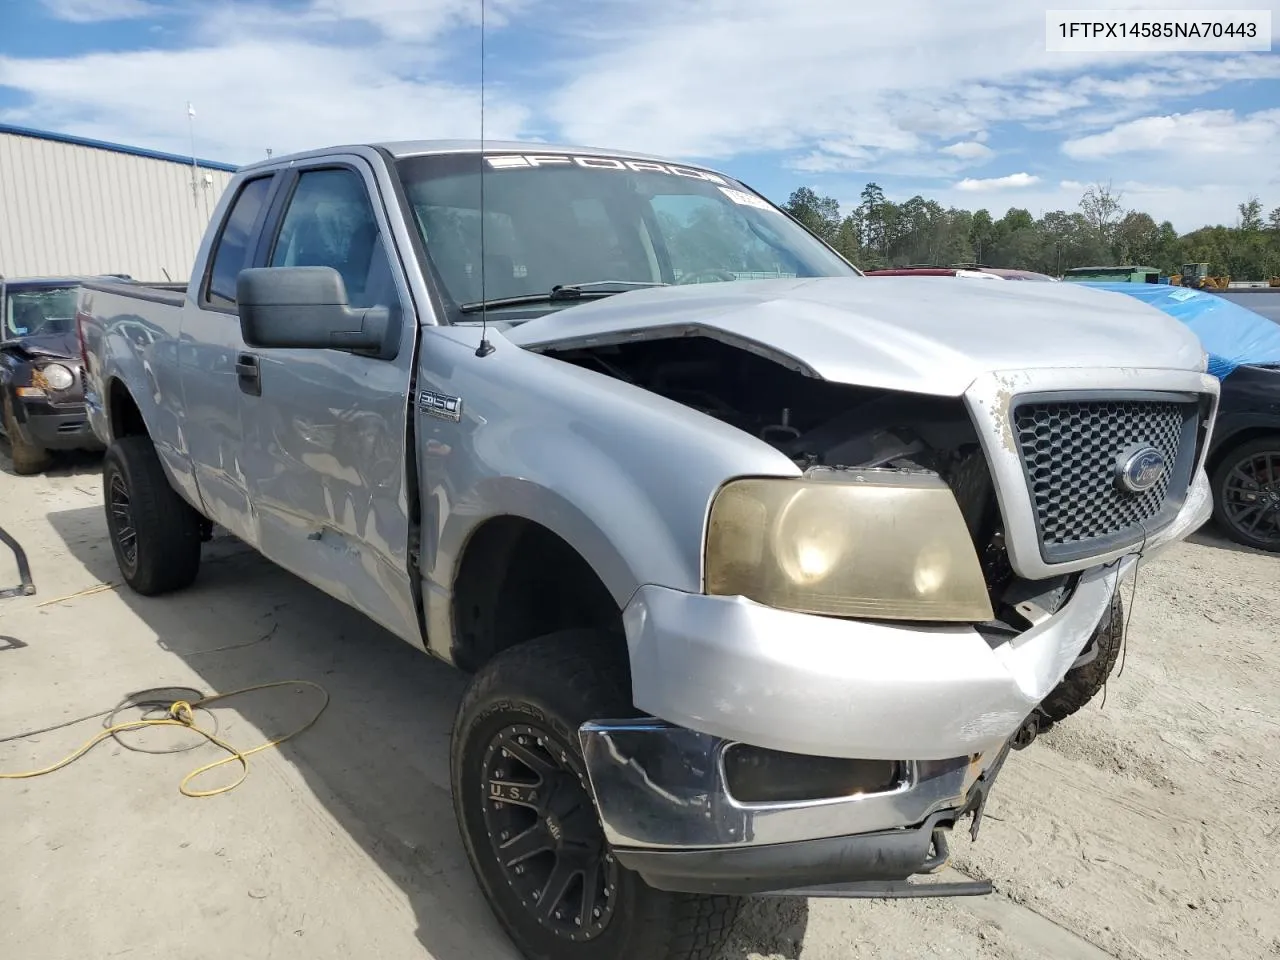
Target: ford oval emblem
(1140,470)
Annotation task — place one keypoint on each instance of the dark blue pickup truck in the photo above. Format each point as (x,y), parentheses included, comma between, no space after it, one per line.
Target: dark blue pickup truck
(41,391)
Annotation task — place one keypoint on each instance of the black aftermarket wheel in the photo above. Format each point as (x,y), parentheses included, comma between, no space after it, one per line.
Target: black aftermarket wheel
(543,832)
(1246,493)
(529,823)
(154,533)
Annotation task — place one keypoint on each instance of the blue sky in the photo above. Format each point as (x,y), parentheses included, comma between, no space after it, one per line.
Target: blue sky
(965,107)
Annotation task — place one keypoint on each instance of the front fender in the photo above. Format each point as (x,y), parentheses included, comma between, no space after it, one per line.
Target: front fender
(624,476)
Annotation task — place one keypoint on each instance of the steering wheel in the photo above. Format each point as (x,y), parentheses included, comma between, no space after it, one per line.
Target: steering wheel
(713,272)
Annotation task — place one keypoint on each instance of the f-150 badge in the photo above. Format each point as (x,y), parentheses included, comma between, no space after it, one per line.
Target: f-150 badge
(440,406)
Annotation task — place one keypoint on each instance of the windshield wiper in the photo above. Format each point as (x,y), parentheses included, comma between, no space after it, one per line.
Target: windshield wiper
(563,291)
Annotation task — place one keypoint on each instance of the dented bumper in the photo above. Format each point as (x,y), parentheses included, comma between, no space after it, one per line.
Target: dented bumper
(823,686)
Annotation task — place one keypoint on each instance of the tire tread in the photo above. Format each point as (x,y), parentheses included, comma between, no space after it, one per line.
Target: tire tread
(167,527)
(1081,685)
(588,675)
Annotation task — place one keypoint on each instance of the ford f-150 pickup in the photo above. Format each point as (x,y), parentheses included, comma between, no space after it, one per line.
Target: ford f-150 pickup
(760,567)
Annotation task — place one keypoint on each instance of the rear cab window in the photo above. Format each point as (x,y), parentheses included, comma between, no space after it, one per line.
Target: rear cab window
(235,242)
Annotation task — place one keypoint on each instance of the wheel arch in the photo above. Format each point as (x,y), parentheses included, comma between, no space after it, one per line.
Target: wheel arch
(124,415)
(516,579)
(1236,438)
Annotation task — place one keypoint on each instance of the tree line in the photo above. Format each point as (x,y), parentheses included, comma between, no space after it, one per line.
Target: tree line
(880,233)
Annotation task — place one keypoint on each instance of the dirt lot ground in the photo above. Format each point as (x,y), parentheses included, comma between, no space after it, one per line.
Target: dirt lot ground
(1145,828)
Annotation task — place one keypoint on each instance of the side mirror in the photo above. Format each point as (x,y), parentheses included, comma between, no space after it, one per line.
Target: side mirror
(307,307)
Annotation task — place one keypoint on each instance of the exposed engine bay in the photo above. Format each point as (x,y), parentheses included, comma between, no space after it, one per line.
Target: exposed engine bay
(818,423)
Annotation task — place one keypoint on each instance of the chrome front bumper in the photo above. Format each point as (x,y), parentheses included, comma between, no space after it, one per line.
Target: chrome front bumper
(660,786)
(668,813)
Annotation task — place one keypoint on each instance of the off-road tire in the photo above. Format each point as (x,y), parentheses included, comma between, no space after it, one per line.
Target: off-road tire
(167,530)
(1218,483)
(558,682)
(27,458)
(1082,684)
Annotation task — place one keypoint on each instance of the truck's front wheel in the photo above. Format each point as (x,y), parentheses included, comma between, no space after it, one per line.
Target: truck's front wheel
(1082,684)
(530,827)
(155,534)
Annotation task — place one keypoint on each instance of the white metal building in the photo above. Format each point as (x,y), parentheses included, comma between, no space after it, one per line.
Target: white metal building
(71,206)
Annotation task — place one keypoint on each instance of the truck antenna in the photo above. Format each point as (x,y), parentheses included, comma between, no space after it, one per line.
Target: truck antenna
(485,347)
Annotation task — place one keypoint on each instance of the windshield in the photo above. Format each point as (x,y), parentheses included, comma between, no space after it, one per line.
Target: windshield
(36,313)
(556,220)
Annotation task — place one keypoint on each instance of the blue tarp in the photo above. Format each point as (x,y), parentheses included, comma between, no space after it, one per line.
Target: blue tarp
(1232,335)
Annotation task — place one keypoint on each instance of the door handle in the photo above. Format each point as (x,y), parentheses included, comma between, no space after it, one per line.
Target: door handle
(249,375)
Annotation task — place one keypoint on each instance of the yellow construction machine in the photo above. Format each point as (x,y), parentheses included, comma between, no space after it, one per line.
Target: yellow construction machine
(1196,276)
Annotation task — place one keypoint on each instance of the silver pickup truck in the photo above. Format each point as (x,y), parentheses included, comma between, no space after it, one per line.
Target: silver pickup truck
(760,567)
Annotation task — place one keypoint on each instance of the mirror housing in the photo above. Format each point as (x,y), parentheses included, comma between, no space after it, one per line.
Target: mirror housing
(307,308)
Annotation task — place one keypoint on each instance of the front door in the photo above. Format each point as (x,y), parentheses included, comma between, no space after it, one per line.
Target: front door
(325,433)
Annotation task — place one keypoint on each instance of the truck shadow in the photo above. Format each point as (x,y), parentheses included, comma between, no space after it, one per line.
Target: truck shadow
(1210,535)
(377,760)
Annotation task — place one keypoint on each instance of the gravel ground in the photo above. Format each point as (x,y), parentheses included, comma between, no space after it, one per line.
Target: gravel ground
(1142,828)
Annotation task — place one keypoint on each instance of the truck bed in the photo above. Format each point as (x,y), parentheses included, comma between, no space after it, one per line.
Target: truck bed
(170,293)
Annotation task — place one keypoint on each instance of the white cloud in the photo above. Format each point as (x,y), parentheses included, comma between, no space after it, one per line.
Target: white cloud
(969,150)
(826,88)
(248,96)
(1012,181)
(95,11)
(287,91)
(412,19)
(733,76)
(1071,185)
(1217,132)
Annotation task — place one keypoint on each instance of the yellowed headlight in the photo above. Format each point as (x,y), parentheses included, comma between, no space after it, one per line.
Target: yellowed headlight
(878,544)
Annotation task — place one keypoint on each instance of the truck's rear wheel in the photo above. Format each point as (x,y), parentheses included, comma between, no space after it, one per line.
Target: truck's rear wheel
(539,852)
(1082,684)
(27,458)
(155,534)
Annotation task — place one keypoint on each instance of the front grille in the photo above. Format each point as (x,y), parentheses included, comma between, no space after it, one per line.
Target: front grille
(1072,450)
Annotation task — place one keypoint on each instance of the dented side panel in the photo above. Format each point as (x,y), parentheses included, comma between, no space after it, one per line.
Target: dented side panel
(623,475)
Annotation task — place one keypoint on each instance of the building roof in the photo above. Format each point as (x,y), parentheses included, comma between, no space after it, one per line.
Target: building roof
(114,147)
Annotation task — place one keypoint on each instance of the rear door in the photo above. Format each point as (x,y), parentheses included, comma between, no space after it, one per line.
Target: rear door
(324,452)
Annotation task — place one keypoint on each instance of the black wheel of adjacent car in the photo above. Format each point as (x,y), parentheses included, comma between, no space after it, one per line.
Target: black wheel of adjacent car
(1082,684)
(529,824)
(154,533)
(28,459)
(1246,493)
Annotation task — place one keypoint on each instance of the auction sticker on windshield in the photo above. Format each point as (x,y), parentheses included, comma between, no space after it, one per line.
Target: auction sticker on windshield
(745,199)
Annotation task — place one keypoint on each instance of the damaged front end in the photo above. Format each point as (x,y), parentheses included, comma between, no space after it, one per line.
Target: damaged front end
(886,727)
(824,427)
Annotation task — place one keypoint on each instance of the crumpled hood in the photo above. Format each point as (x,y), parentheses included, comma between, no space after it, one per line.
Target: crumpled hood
(56,346)
(932,335)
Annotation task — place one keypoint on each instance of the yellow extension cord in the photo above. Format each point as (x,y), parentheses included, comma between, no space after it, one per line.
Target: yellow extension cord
(181,713)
